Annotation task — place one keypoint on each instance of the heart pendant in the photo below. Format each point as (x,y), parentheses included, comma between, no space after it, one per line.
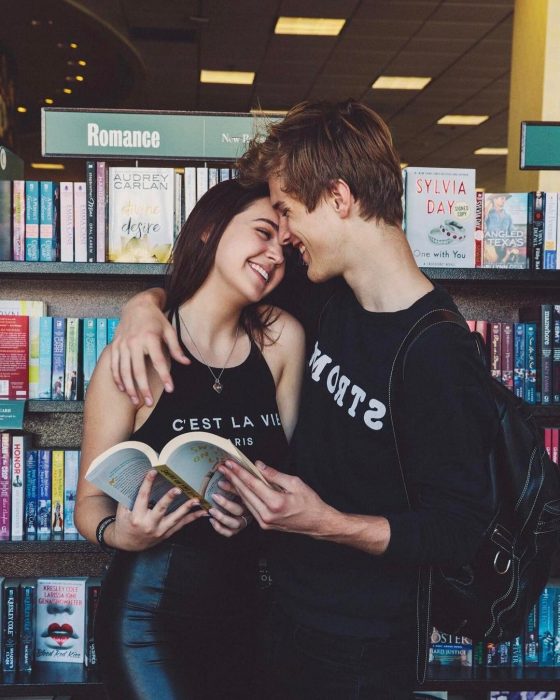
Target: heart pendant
(217,386)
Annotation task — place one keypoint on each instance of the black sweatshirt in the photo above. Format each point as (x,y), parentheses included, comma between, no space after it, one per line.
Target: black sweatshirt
(344,448)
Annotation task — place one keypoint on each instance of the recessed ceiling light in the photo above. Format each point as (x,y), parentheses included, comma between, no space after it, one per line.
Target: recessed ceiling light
(73,45)
(67,91)
(47,166)
(463,119)
(233,77)
(491,152)
(21,109)
(81,62)
(309,26)
(80,78)
(35,22)
(49,101)
(400,82)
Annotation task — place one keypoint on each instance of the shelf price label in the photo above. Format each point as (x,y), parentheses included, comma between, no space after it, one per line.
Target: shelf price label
(540,146)
(11,414)
(161,135)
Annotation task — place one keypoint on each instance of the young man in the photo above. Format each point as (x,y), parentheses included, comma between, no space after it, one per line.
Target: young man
(346,550)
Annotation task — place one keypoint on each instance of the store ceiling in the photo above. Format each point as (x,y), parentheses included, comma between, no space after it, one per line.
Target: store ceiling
(148,54)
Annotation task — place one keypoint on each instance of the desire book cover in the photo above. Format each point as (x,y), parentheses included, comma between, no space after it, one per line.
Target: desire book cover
(60,626)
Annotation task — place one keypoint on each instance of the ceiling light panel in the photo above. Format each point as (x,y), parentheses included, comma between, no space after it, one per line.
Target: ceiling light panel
(309,26)
(231,77)
(400,82)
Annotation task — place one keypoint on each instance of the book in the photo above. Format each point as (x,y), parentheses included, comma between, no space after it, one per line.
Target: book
(18,220)
(93,591)
(60,620)
(440,222)
(45,356)
(101,210)
(537,230)
(91,210)
(48,220)
(44,494)
(67,222)
(505,229)
(80,222)
(30,512)
(72,360)
(20,444)
(550,230)
(26,631)
(58,358)
(188,461)
(32,220)
(89,352)
(10,608)
(6,240)
(71,469)
(5,485)
(57,493)
(141,217)
(14,357)
(449,649)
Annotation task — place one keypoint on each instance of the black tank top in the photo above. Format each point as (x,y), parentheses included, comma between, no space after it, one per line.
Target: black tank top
(245,412)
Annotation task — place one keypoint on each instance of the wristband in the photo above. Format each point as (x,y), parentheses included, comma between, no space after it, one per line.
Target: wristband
(100,530)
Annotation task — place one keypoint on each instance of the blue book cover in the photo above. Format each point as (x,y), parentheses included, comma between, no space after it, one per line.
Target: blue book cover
(89,352)
(531,656)
(27,600)
(48,220)
(32,220)
(531,363)
(44,502)
(30,513)
(10,605)
(225,174)
(519,360)
(71,469)
(112,324)
(58,358)
(45,356)
(101,337)
(546,627)
(517,651)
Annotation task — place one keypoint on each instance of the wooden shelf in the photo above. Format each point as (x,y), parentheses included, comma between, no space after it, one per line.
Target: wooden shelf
(71,269)
(44,406)
(50,545)
(53,679)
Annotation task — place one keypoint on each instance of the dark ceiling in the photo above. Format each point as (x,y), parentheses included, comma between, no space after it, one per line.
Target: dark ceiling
(148,54)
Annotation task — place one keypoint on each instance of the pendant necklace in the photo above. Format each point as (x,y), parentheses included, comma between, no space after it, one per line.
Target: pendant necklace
(217,386)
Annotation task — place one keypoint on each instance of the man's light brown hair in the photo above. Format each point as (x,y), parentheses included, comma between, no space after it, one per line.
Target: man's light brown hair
(318,143)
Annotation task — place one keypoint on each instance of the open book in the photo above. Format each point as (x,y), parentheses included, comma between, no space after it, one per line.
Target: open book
(188,461)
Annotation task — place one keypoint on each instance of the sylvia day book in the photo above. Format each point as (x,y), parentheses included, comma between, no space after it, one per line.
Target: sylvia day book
(189,461)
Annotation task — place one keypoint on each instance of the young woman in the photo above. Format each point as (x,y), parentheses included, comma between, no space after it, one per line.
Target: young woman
(177,613)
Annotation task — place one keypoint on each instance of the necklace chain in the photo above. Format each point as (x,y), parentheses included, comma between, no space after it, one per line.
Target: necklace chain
(217,386)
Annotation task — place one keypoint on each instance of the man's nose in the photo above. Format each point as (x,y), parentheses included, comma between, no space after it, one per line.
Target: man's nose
(284,233)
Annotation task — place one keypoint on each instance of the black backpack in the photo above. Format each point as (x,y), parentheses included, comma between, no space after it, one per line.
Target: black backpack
(490,598)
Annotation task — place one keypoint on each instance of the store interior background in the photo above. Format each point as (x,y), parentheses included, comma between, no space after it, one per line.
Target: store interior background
(149,54)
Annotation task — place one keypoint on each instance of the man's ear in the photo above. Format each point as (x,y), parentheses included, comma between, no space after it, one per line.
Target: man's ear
(341,198)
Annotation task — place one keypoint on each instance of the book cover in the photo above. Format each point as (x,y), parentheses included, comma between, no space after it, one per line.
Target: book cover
(58,358)
(93,590)
(201,181)
(556,354)
(517,651)
(479,230)
(531,655)
(546,349)
(507,354)
(60,625)
(48,219)
(20,444)
(505,229)
(44,502)
(101,210)
(91,211)
(519,359)
(5,485)
(89,350)
(14,357)
(31,486)
(225,174)
(555,444)
(26,632)
(496,350)
(67,222)
(18,220)
(537,230)
(45,356)
(190,190)
(6,238)
(32,220)
(440,208)
(34,352)
(141,218)
(177,205)
(546,626)
(71,470)
(112,324)
(80,222)
(101,335)
(449,650)
(10,611)
(57,493)
(550,229)
(531,363)
(72,385)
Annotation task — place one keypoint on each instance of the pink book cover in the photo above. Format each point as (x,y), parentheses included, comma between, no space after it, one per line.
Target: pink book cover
(67,222)
(101,211)
(80,222)
(18,219)
(548,441)
(555,442)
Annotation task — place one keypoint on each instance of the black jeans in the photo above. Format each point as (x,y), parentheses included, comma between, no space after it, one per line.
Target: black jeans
(169,627)
(300,663)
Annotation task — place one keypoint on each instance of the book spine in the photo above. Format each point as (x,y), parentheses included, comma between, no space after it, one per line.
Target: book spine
(18,220)
(66,221)
(59,346)
(496,351)
(550,226)
(45,356)
(32,220)
(34,325)
(101,335)
(72,360)
(517,651)
(88,351)
(556,355)
(80,222)
(546,627)
(93,590)
(556,604)
(190,190)
(201,181)
(555,445)
(44,494)
(519,360)
(5,485)
(479,230)
(101,211)
(91,213)
(538,229)
(57,493)
(213,177)
(507,355)
(547,336)
(10,626)
(6,236)
(225,174)
(112,324)
(71,469)
(31,471)
(46,222)
(548,441)
(20,444)
(178,205)
(26,625)
(531,363)
(531,655)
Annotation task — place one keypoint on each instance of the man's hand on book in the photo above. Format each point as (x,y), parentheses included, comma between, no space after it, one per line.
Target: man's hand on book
(145,525)
(143,330)
(231,517)
(293,507)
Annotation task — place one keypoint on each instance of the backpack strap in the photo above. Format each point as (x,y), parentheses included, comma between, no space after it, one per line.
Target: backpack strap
(396,389)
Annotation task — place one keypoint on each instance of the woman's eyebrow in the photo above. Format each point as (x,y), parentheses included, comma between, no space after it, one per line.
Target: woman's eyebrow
(269,222)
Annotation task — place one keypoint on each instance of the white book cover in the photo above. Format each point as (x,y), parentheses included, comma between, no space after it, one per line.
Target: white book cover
(201,181)
(550,228)
(80,222)
(141,214)
(190,190)
(20,444)
(67,222)
(60,627)
(441,216)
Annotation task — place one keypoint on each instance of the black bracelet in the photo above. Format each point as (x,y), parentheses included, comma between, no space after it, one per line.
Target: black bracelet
(100,530)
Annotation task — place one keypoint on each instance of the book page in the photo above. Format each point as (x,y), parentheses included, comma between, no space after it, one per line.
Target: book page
(120,474)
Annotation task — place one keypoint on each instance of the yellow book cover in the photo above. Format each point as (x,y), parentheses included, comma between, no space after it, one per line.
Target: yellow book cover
(57,492)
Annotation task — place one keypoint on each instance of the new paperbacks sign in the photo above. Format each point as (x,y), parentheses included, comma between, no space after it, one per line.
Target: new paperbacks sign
(145,134)
(540,146)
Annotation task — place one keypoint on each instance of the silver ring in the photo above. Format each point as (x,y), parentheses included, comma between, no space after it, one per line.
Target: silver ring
(245,520)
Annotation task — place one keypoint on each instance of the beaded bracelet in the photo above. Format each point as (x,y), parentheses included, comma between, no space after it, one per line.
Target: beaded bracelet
(100,530)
